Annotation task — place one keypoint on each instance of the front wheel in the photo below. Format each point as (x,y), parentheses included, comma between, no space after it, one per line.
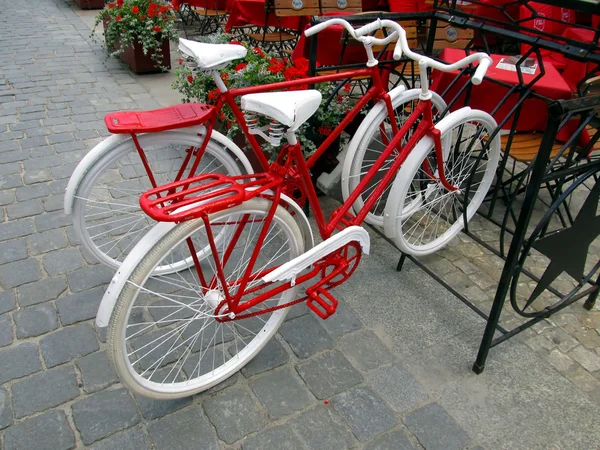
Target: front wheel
(164,335)
(368,144)
(421,214)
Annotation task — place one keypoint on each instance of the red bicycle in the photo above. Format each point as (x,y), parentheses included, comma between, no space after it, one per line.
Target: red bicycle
(239,247)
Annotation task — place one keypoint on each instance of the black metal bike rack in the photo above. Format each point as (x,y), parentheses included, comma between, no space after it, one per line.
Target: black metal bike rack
(562,174)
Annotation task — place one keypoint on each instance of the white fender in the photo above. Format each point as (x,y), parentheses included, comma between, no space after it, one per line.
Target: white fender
(291,269)
(113,141)
(109,300)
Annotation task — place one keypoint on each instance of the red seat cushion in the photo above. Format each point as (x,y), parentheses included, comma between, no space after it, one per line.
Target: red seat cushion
(172,117)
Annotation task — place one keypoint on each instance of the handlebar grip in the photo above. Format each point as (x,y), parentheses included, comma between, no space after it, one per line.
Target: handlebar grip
(482,68)
(368,28)
(315,29)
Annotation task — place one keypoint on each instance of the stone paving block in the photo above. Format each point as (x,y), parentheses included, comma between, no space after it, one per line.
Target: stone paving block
(35,321)
(364,412)
(44,390)
(276,438)
(589,360)
(397,387)
(41,291)
(296,311)
(319,429)
(20,272)
(30,192)
(271,356)
(11,251)
(365,350)
(132,439)
(103,413)
(97,372)
(89,277)
(343,321)
(57,219)
(234,413)
(6,197)
(24,209)
(184,430)
(282,393)
(62,261)
(81,306)
(47,241)
(6,332)
(328,374)
(10,181)
(53,203)
(305,336)
(37,176)
(435,429)
(7,301)
(68,343)
(394,440)
(46,431)
(6,418)
(19,361)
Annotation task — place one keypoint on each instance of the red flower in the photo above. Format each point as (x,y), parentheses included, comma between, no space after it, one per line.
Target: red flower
(213,95)
(236,43)
(325,131)
(153,9)
(180,61)
(163,9)
(111,5)
(156,28)
(120,3)
(240,66)
(347,87)
(142,18)
(190,79)
(135,10)
(118,19)
(258,51)
(276,66)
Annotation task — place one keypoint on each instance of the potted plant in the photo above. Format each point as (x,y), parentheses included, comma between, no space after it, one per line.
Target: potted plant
(138,33)
(90,4)
(261,68)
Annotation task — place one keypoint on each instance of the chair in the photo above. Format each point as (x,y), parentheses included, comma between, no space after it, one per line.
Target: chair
(209,14)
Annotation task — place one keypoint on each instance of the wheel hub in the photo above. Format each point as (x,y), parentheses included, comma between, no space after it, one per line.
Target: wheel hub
(213,298)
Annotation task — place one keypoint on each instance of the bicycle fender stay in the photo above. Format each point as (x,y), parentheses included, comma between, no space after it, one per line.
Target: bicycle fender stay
(289,270)
(114,141)
(109,300)
(150,239)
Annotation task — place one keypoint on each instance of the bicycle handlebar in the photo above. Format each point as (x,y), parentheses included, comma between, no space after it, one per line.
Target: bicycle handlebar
(402,46)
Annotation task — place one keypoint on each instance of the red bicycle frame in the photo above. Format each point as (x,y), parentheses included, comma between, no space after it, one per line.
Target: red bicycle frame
(291,167)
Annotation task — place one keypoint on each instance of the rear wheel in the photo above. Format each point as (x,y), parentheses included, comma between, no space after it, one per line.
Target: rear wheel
(106,213)
(164,337)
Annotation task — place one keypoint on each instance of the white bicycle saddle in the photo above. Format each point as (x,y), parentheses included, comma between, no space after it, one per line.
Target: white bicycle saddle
(291,108)
(211,56)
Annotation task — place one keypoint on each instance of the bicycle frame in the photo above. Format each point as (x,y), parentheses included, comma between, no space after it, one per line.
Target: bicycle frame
(289,167)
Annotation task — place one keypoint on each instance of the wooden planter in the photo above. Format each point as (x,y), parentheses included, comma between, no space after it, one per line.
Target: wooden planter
(133,56)
(90,4)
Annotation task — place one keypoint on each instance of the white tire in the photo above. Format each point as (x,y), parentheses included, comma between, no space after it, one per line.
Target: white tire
(421,215)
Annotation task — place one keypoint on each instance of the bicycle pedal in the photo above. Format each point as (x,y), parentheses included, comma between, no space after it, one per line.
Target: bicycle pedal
(321,302)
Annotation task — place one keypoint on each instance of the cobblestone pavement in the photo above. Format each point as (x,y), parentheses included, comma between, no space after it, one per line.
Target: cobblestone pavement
(389,371)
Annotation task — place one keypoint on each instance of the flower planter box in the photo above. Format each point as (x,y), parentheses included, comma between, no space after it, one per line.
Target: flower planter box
(133,56)
(90,4)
